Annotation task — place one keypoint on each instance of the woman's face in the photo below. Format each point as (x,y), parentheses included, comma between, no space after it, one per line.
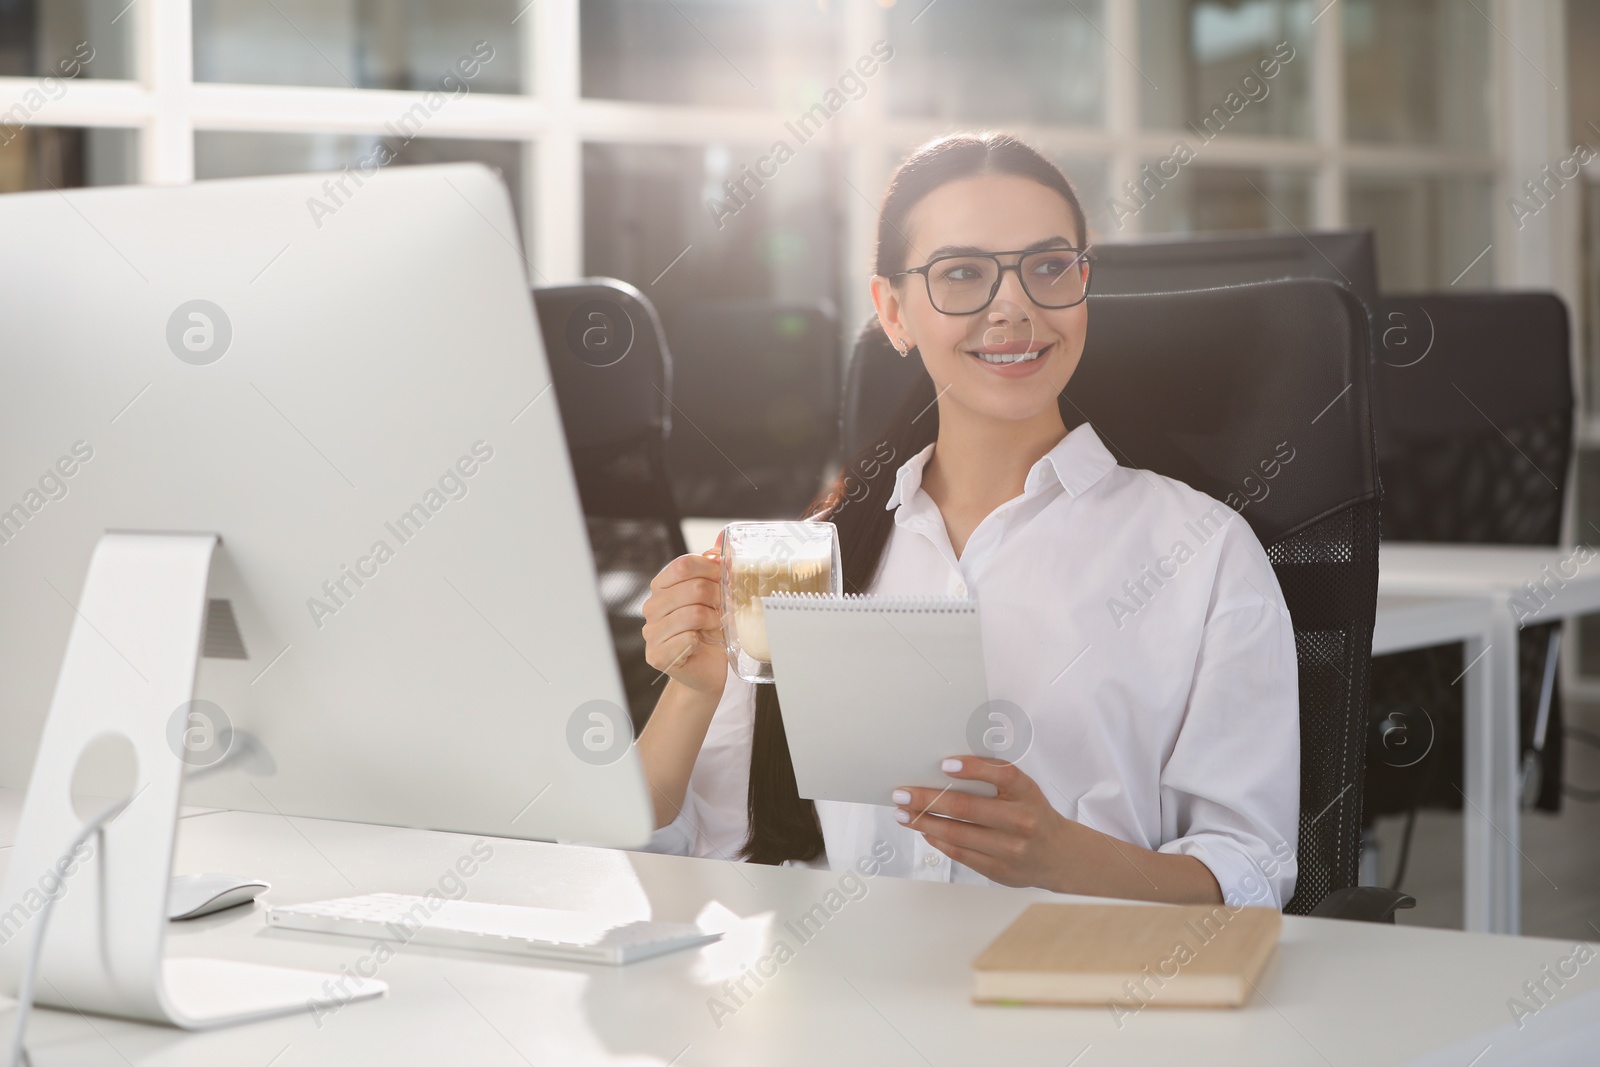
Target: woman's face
(988,213)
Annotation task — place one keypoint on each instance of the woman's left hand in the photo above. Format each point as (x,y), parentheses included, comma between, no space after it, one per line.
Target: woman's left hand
(1015,838)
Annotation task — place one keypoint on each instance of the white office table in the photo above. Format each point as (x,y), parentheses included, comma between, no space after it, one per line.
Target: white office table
(1498,577)
(883,980)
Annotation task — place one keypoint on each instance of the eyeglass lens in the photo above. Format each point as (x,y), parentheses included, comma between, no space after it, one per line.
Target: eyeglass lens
(1053,278)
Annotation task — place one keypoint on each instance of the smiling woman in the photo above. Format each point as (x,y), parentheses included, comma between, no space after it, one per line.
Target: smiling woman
(1166,765)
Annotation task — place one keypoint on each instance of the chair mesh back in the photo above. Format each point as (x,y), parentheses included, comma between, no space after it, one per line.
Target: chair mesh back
(1214,388)
(1475,443)
(1328,574)
(611,374)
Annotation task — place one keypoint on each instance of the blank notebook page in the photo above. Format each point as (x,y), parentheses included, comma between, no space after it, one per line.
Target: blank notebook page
(876,691)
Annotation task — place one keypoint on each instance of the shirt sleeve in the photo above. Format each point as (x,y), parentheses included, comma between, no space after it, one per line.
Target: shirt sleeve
(714,820)
(1230,790)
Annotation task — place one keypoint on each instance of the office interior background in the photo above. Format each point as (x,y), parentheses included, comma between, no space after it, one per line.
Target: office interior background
(618,124)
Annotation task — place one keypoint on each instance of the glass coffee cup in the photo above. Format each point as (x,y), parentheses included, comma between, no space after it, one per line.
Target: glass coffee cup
(760,558)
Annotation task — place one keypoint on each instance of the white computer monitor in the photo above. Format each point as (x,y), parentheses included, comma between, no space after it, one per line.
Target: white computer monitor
(342,377)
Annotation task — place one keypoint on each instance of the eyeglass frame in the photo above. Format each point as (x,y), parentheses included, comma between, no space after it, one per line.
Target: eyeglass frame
(1000,276)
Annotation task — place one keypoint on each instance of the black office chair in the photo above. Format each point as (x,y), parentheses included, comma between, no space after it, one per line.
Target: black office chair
(1208,387)
(758,385)
(1476,437)
(1204,261)
(612,377)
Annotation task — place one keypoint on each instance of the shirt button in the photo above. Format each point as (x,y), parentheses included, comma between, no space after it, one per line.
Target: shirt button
(931,860)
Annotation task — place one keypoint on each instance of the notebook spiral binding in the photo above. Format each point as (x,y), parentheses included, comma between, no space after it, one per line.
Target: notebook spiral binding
(903,603)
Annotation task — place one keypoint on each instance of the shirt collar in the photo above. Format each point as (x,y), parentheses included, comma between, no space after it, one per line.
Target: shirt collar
(1076,462)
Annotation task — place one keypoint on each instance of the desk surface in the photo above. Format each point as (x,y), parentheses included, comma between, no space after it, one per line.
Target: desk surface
(882,980)
(1443,569)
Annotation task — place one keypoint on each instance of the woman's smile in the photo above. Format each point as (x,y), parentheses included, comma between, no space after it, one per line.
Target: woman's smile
(1013,359)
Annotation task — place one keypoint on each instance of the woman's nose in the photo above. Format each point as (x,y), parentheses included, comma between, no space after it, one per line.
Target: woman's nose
(1011,300)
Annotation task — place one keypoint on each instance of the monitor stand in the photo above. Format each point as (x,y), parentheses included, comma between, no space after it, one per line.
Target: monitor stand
(130,664)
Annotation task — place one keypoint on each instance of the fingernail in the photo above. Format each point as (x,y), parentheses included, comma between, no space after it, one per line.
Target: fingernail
(952,765)
(900,796)
(902,815)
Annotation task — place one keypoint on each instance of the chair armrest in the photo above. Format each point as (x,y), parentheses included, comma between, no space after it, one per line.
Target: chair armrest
(1363,903)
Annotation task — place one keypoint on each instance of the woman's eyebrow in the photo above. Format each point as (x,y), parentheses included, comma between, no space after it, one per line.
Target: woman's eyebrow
(974,250)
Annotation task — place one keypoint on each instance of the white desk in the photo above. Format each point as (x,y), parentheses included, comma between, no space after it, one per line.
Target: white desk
(1497,577)
(885,980)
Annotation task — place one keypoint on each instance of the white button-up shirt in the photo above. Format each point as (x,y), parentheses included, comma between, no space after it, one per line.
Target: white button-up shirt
(1139,626)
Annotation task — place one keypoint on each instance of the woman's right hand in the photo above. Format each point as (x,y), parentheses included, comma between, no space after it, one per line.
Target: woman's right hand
(683,622)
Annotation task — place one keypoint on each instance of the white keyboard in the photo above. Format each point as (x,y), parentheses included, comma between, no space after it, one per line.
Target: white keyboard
(547,933)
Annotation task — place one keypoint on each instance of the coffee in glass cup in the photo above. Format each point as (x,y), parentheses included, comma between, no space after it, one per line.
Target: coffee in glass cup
(761,558)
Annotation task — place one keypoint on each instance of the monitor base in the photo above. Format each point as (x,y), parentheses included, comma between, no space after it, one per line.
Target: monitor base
(101,890)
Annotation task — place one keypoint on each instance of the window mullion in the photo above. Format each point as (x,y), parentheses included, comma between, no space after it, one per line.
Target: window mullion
(164,54)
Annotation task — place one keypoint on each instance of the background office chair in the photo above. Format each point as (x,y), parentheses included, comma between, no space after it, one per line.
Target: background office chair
(1167,265)
(1260,367)
(612,377)
(1475,438)
(1204,261)
(758,387)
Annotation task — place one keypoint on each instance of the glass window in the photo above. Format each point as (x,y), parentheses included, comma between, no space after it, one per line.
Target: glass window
(1432,232)
(1417,72)
(65,157)
(1218,200)
(747,289)
(672,221)
(1000,61)
(455,46)
(65,39)
(231,154)
(780,54)
(1210,65)
(1088,177)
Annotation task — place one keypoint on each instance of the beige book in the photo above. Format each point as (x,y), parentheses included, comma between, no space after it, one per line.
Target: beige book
(1128,955)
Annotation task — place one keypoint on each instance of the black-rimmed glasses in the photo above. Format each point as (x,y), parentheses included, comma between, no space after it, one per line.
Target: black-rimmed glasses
(964,284)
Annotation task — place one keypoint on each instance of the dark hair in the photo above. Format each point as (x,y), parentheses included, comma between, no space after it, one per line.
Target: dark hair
(783,826)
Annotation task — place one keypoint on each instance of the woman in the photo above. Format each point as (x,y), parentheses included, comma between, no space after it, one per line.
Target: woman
(1136,621)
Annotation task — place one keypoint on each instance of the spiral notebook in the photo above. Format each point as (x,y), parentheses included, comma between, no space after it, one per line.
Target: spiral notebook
(877,691)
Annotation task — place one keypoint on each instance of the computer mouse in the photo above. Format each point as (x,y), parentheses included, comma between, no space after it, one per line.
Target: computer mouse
(192,895)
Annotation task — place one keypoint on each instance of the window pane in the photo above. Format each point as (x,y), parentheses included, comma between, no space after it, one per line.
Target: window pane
(1088,177)
(65,39)
(455,46)
(645,204)
(1244,67)
(1219,200)
(998,61)
(64,157)
(1432,233)
(229,154)
(747,292)
(726,53)
(1417,71)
